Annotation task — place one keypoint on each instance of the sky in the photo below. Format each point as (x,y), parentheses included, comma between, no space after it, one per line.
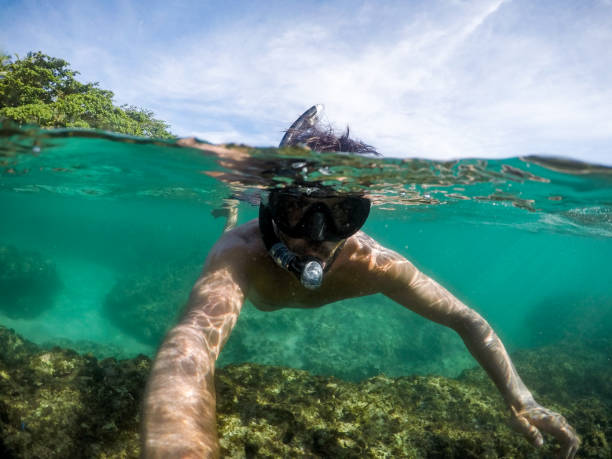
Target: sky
(429,79)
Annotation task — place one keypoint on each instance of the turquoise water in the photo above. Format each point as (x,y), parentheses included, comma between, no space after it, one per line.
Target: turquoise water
(125,224)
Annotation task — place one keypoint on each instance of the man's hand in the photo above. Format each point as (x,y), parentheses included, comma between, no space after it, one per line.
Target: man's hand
(534,418)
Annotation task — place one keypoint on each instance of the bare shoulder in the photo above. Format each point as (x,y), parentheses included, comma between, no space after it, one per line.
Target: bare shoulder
(236,246)
(378,259)
(364,247)
(245,234)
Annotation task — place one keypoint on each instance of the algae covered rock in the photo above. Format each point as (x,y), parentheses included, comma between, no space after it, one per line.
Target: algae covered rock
(296,414)
(28,283)
(82,346)
(55,403)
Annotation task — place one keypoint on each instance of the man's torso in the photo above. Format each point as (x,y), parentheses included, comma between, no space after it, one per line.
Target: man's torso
(357,271)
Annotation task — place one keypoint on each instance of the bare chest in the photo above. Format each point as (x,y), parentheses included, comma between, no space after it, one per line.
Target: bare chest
(273,288)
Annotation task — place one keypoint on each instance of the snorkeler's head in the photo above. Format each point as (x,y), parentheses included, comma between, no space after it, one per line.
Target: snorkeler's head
(312,212)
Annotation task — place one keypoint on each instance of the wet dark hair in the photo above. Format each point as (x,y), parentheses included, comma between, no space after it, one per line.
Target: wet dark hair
(324,139)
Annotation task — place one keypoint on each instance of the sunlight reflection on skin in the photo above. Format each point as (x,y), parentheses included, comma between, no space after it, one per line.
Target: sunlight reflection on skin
(179,408)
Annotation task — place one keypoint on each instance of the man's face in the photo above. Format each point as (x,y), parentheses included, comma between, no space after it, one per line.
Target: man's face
(317,226)
(323,250)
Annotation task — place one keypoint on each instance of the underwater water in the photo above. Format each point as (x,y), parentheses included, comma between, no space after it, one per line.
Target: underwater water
(102,237)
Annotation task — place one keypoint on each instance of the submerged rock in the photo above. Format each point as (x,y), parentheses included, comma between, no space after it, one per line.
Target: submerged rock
(28,283)
(355,340)
(57,403)
(145,304)
(555,318)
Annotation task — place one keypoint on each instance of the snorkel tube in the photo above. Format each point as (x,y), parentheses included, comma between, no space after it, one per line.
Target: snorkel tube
(308,119)
(308,270)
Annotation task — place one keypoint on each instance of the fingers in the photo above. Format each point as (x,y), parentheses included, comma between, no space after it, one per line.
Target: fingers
(569,452)
(553,423)
(522,425)
(569,440)
(556,425)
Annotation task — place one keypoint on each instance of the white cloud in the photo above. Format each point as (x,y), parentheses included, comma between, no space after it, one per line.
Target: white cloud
(429,79)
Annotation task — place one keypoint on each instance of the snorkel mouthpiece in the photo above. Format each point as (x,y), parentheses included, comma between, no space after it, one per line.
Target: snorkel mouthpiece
(308,269)
(312,275)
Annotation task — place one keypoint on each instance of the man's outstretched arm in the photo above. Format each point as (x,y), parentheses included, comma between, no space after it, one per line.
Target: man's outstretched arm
(179,405)
(418,292)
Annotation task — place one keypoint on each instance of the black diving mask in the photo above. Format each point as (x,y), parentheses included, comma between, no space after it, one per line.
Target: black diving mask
(325,218)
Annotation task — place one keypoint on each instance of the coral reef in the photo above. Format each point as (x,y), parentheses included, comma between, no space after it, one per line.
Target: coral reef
(28,283)
(57,403)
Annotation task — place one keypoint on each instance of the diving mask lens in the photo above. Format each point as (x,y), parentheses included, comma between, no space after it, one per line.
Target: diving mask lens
(295,214)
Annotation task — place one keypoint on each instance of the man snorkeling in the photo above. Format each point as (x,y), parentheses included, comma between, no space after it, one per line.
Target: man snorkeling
(304,251)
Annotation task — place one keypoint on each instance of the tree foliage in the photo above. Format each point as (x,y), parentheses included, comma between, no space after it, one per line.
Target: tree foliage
(44,90)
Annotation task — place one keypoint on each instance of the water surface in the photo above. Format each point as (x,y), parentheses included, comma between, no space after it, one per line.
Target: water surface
(126,225)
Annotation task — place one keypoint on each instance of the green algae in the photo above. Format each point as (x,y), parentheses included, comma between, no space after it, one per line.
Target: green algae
(380,417)
(58,403)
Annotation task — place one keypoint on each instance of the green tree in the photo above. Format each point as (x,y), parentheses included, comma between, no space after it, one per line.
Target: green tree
(44,90)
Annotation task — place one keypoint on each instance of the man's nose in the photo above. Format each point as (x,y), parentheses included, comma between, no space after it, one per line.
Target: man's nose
(316,226)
